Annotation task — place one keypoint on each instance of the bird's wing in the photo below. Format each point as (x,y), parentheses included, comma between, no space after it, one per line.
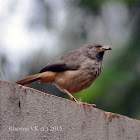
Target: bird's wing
(57,67)
(70,61)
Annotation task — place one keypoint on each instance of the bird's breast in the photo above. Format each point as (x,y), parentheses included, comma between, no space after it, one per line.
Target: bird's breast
(96,71)
(76,81)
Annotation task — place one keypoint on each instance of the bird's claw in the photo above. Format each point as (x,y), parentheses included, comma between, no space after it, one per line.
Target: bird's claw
(84,103)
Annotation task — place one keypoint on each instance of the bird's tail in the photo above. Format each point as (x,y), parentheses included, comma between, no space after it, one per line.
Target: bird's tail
(45,77)
(28,80)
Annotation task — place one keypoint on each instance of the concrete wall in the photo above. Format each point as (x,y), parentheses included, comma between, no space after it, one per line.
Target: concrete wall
(28,114)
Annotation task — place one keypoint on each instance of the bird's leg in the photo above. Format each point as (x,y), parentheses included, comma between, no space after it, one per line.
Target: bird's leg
(76,100)
(71,96)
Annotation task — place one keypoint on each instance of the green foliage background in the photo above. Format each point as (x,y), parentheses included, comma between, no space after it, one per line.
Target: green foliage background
(118,88)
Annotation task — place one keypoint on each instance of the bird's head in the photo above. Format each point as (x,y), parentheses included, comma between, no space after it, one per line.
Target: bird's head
(95,51)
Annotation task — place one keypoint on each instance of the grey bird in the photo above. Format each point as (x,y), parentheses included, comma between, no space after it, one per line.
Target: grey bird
(72,72)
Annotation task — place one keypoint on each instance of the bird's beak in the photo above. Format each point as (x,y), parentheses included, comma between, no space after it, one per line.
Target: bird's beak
(105,48)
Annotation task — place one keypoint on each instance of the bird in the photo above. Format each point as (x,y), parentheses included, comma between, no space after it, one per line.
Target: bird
(73,72)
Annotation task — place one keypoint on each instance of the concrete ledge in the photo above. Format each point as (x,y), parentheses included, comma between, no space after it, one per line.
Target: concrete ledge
(28,114)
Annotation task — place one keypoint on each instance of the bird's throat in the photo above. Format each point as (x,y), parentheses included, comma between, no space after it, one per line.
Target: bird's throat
(100,55)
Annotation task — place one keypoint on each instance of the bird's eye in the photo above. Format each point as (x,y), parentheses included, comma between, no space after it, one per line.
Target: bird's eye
(94,48)
(98,46)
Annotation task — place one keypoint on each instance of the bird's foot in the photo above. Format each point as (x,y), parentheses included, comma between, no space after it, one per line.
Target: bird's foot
(78,102)
(84,103)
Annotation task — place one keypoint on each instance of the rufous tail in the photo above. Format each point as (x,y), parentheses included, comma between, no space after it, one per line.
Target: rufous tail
(45,77)
(28,80)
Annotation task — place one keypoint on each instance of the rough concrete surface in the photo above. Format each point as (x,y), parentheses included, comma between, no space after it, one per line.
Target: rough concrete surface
(28,114)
